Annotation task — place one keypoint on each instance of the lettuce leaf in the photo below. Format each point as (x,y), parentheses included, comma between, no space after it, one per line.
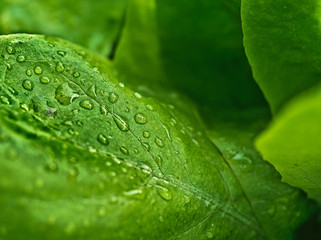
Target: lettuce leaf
(83,156)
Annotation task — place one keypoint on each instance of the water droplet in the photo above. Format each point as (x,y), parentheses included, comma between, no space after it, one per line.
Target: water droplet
(210,234)
(4,100)
(134,192)
(149,107)
(86,104)
(103,110)
(159,142)
(9,66)
(159,160)
(73,172)
(138,95)
(102,139)
(92,91)
(146,134)
(29,72)
(76,74)
(10,50)
(108,164)
(140,118)
(51,45)
(28,85)
(44,80)
(65,95)
(243,161)
(121,123)
(71,131)
(124,150)
(113,97)
(61,53)
(136,150)
(121,85)
(146,146)
(24,106)
(60,67)
(101,212)
(51,167)
(113,200)
(164,193)
(21,59)
(37,70)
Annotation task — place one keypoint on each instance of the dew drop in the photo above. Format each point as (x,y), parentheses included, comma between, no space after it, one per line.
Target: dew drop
(4,100)
(24,106)
(76,74)
(86,104)
(140,118)
(146,146)
(28,85)
(51,167)
(44,80)
(61,53)
(73,172)
(159,160)
(113,97)
(159,142)
(124,150)
(146,134)
(149,107)
(209,234)
(164,193)
(21,59)
(92,91)
(28,72)
(65,95)
(10,50)
(102,139)
(138,95)
(37,70)
(103,110)
(121,85)
(121,123)
(9,66)
(60,67)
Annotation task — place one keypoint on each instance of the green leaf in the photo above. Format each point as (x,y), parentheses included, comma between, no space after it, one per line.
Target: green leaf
(82,156)
(94,24)
(259,180)
(292,145)
(282,44)
(195,47)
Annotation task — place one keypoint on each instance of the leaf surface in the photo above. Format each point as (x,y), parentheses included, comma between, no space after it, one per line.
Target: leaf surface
(282,44)
(83,156)
(292,145)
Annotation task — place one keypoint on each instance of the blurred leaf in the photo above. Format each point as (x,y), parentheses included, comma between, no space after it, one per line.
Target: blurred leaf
(195,47)
(292,142)
(82,156)
(282,43)
(93,24)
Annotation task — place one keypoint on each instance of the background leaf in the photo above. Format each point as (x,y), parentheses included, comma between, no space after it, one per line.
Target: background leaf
(292,144)
(94,24)
(197,48)
(282,44)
